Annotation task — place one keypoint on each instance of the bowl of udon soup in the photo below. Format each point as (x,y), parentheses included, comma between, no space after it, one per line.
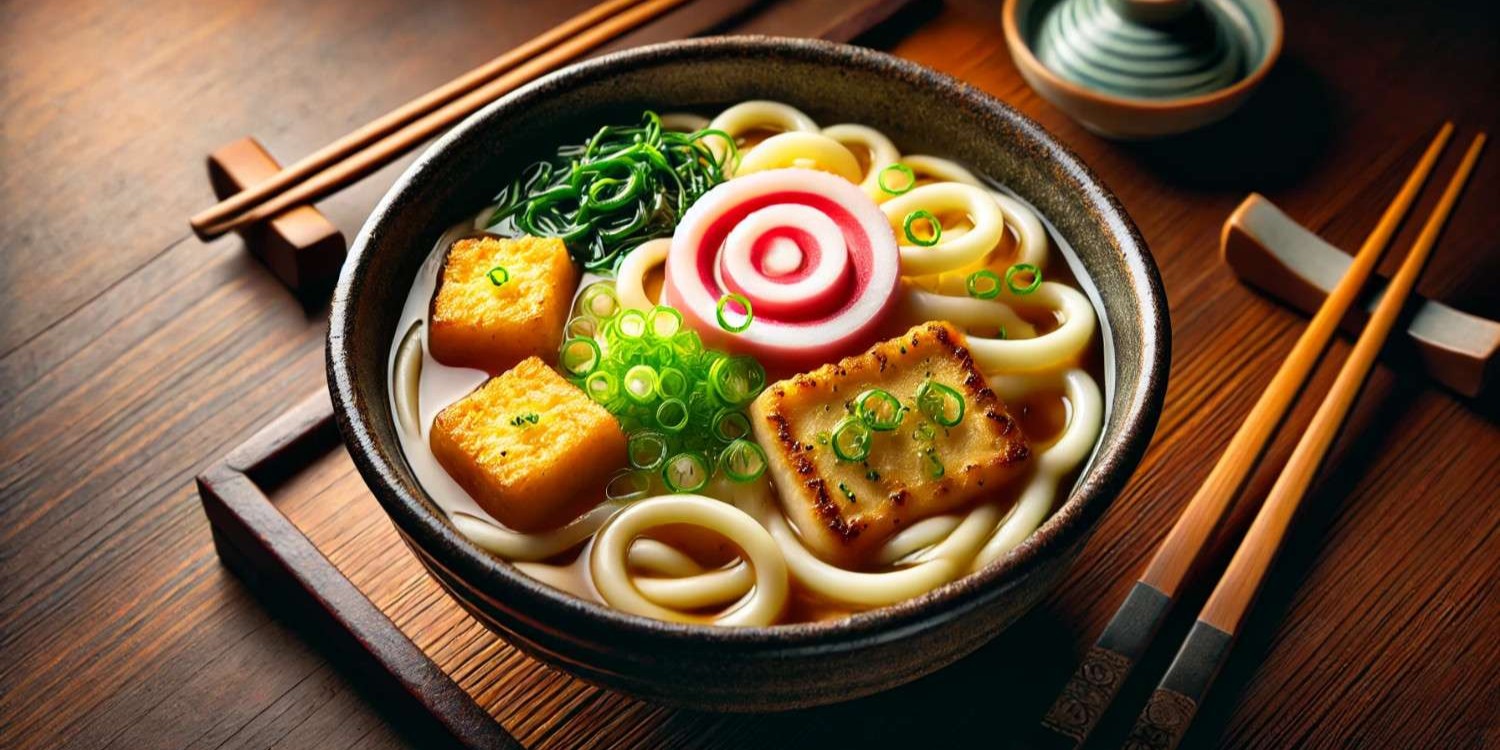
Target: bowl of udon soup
(748,373)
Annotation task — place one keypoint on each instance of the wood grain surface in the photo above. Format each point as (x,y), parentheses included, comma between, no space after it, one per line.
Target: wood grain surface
(132,356)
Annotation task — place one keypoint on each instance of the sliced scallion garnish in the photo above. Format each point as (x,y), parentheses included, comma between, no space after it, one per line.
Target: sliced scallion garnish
(935,228)
(646,450)
(851,439)
(630,324)
(686,472)
(743,461)
(602,386)
(736,380)
(941,403)
(671,383)
(984,284)
(663,323)
(640,384)
(599,301)
(933,464)
(1019,269)
(879,409)
(730,424)
(579,356)
(883,179)
(744,303)
(672,415)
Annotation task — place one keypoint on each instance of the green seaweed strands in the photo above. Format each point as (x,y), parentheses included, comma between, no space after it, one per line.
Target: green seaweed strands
(626,185)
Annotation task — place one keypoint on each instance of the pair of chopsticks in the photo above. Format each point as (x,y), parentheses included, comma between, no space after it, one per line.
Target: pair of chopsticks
(382,141)
(1171,708)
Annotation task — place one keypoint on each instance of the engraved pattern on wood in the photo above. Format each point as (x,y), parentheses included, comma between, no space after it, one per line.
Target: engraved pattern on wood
(1088,693)
(1167,716)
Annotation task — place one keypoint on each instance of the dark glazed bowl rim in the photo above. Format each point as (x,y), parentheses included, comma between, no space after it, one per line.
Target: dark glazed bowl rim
(540,605)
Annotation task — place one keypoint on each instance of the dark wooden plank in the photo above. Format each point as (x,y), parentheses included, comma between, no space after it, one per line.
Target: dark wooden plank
(129,360)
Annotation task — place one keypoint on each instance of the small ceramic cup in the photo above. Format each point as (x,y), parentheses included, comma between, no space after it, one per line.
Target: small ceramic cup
(1258,29)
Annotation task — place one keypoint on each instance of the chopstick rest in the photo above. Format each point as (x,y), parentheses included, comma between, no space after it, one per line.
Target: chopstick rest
(1273,253)
(300,246)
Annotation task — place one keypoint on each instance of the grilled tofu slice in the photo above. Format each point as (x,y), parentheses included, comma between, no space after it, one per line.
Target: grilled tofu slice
(845,509)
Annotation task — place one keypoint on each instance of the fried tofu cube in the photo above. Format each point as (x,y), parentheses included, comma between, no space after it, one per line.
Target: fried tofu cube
(478,323)
(531,448)
(844,509)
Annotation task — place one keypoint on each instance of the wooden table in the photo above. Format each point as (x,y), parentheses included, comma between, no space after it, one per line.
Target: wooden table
(132,355)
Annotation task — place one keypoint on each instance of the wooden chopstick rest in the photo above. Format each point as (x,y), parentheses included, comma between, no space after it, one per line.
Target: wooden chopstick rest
(300,245)
(1275,254)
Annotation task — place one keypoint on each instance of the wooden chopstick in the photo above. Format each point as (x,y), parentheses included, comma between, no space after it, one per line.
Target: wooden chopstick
(1172,706)
(387,138)
(1104,668)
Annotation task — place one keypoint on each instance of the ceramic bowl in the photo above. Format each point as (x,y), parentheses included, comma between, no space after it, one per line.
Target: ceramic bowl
(1258,22)
(785,666)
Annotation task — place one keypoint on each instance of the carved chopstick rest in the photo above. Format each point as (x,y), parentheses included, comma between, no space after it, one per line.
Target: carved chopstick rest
(300,246)
(1273,253)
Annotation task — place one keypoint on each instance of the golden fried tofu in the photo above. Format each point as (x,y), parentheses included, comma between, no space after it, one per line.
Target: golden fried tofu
(843,508)
(476,322)
(531,448)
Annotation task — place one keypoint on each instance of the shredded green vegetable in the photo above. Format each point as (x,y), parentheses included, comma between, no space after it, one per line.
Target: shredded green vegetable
(626,185)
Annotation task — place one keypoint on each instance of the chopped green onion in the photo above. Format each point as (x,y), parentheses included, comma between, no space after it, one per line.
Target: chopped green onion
(737,380)
(730,424)
(686,472)
(686,345)
(924,432)
(628,485)
(671,383)
(902,169)
(579,356)
(646,450)
(602,386)
(582,326)
(664,322)
(932,222)
(498,275)
(640,384)
(743,461)
(879,409)
(848,493)
(934,466)
(940,402)
(672,415)
(599,301)
(1017,270)
(851,439)
(630,324)
(744,304)
(984,284)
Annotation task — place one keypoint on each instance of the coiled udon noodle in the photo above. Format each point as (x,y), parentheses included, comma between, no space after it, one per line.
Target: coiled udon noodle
(634,572)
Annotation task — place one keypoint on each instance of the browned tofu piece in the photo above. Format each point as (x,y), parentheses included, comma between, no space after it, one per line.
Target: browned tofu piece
(531,448)
(845,509)
(478,323)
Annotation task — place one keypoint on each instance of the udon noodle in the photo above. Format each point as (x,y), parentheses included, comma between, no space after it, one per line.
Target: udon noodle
(730,552)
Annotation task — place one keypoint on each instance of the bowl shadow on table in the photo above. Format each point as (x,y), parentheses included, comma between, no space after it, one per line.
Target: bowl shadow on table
(1007,683)
(1276,138)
